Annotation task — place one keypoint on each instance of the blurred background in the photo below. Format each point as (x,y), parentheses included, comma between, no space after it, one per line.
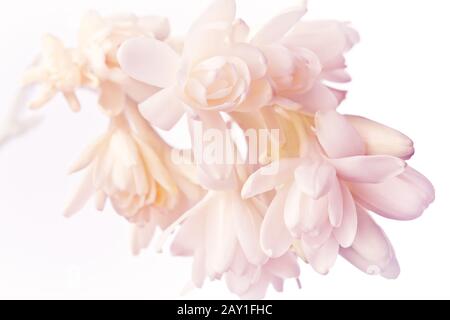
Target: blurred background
(401,78)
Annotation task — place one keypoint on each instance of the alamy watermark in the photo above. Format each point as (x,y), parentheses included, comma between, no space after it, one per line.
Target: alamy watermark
(213,146)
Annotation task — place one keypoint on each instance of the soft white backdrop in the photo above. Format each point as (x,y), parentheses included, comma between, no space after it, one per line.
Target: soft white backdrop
(401,78)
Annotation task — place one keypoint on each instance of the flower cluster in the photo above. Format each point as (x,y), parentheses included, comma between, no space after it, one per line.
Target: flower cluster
(308,195)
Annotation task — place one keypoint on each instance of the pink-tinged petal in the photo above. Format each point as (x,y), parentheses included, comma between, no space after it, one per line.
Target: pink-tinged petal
(340,95)
(401,198)
(338,75)
(324,258)
(314,217)
(281,60)
(218,11)
(112,99)
(240,31)
(316,238)
(258,290)
(319,98)
(277,28)
(247,222)
(215,169)
(89,154)
(238,284)
(337,136)
(371,251)
(392,270)
(150,61)
(190,236)
(368,169)
(142,236)
(260,95)
(269,177)
(163,109)
(138,91)
(81,196)
(220,238)
(202,44)
(346,233)
(292,216)
(253,57)
(199,268)
(284,267)
(73,101)
(335,204)
(315,177)
(328,39)
(382,140)
(275,237)
(286,103)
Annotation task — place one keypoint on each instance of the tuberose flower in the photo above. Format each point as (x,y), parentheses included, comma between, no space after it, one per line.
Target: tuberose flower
(215,71)
(125,167)
(221,233)
(320,207)
(304,58)
(59,69)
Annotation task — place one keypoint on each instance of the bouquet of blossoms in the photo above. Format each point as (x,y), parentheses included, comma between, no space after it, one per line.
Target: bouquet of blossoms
(274,176)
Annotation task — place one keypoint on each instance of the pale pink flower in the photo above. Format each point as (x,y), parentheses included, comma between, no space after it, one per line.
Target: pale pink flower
(130,166)
(100,37)
(305,58)
(98,42)
(322,210)
(58,69)
(251,282)
(222,235)
(214,72)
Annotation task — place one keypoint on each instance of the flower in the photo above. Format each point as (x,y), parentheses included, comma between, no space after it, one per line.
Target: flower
(215,72)
(98,42)
(99,39)
(323,207)
(221,233)
(58,70)
(251,283)
(305,58)
(125,168)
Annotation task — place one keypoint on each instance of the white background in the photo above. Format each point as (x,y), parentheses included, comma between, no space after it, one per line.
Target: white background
(401,74)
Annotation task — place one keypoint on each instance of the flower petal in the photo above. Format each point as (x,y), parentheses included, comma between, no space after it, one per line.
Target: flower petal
(112,99)
(315,177)
(221,239)
(275,237)
(328,39)
(335,204)
(324,258)
(319,98)
(371,251)
(346,233)
(368,169)
(254,58)
(218,11)
(336,135)
(247,222)
(269,177)
(81,196)
(382,140)
(276,28)
(150,61)
(163,109)
(260,94)
(401,198)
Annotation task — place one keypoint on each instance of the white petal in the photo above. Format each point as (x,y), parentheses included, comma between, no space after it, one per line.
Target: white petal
(275,29)
(163,109)
(150,61)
